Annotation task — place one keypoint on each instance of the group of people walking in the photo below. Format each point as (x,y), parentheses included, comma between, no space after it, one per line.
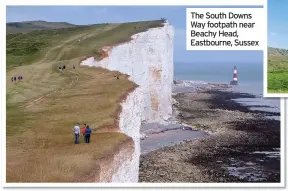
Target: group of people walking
(61,69)
(85,130)
(14,79)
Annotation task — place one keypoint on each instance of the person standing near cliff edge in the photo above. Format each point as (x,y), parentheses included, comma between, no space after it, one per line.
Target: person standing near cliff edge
(87,134)
(83,131)
(76,130)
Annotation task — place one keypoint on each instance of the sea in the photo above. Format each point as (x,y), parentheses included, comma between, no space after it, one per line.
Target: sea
(250,80)
(192,76)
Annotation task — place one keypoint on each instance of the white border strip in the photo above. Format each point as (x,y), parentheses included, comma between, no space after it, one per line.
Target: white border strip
(3,92)
(124,2)
(283,132)
(139,2)
(278,95)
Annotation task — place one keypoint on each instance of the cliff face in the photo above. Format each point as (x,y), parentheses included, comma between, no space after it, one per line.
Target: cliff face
(148,60)
(130,122)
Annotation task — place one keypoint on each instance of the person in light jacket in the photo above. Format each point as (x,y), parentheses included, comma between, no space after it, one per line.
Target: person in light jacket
(76,130)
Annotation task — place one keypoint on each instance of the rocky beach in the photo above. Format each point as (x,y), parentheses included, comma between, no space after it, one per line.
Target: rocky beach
(219,140)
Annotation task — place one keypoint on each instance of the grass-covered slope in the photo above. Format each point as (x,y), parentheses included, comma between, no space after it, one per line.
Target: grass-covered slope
(277,70)
(28,26)
(42,109)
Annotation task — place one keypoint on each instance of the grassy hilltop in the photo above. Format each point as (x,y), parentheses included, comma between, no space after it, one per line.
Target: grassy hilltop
(28,26)
(42,109)
(277,70)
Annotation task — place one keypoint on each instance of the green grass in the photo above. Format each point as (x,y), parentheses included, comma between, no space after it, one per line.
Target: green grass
(278,82)
(28,26)
(277,75)
(42,109)
(26,48)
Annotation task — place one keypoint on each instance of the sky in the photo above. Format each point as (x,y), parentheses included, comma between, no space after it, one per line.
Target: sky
(277,24)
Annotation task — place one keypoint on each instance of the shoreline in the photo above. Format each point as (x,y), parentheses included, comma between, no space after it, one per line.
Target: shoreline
(241,148)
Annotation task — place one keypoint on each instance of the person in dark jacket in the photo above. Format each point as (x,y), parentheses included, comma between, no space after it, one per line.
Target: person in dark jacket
(14,79)
(87,134)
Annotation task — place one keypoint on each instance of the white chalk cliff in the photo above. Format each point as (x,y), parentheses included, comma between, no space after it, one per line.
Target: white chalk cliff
(148,60)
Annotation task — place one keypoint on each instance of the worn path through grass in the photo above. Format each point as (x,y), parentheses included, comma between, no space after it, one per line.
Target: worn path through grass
(43,108)
(40,133)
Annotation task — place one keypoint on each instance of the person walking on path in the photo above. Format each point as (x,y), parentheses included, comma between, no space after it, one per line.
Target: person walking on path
(83,131)
(12,79)
(87,134)
(76,130)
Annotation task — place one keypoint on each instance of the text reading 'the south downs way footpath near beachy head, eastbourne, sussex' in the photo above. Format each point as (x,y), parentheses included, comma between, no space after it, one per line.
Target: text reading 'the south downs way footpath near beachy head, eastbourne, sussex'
(224,29)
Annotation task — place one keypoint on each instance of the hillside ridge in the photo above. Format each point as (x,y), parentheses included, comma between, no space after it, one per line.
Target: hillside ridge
(277,51)
(28,26)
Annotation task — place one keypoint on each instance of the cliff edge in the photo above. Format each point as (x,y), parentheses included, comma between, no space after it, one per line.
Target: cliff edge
(130,85)
(148,59)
